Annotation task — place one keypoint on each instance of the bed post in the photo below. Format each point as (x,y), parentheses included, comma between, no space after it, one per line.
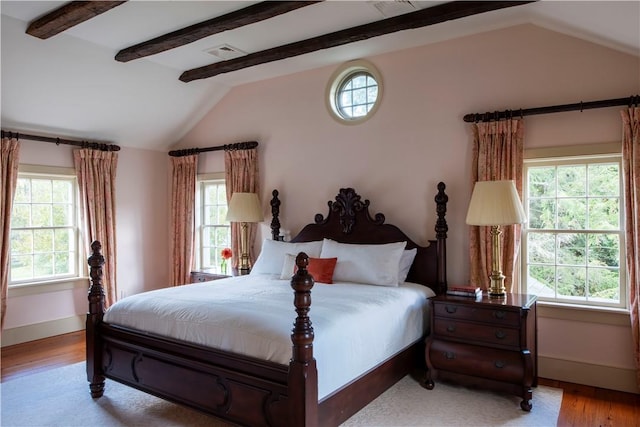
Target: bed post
(94,317)
(303,375)
(441,236)
(275,215)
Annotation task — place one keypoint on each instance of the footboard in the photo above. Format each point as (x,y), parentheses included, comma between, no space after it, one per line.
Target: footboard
(241,389)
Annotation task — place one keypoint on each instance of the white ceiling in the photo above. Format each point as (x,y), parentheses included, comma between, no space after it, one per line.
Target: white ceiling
(70,85)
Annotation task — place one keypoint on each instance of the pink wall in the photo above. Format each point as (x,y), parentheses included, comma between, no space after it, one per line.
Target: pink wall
(141,231)
(418,138)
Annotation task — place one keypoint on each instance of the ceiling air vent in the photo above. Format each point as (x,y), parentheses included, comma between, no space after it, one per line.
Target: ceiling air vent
(393,8)
(225,52)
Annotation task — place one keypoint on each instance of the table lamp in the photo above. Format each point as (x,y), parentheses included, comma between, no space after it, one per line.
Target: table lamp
(244,208)
(495,203)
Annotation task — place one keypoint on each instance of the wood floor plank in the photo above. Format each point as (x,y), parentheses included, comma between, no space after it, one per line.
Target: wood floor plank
(581,405)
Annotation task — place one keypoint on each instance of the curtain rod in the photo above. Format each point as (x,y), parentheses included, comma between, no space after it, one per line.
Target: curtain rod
(84,144)
(227,147)
(579,106)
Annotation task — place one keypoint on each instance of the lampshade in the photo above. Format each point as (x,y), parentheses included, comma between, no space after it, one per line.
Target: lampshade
(244,207)
(495,203)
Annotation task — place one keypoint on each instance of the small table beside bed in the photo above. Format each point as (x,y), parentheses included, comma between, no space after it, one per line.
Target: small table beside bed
(228,349)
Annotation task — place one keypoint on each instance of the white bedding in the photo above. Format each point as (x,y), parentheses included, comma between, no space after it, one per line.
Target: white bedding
(253,315)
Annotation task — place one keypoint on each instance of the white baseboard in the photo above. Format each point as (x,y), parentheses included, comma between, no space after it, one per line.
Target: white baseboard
(612,378)
(42,330)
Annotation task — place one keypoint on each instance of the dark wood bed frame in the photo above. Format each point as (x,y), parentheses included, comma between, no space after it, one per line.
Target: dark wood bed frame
(249,391)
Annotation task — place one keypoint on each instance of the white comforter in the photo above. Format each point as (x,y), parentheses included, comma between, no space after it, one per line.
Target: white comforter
(356,326)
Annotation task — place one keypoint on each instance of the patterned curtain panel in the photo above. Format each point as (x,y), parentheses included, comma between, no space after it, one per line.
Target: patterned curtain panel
(498,154)
(241,175)
(183,205)
(631,176)
(96,172)
(9,152)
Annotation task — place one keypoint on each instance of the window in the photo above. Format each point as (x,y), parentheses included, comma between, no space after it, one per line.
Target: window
(354,92)
(574,240)
(44,230)
(214,231)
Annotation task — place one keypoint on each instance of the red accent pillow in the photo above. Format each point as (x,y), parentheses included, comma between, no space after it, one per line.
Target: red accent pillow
(321,269)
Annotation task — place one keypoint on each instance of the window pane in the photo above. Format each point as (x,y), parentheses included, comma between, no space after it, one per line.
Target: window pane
(541,280)
(222,195)
(604,250)
(604,213)
(23,191)
(604,180)
(21,242)
(572,181)
(21,216)
(61,215)
(604,284)
(21,267)
(360,97)
(42,265)
(542,182)
(63,240)
(572,281)
(222,236)
(541,248)
(43,240)
(63,264)
(41,191)
(542,214)
(62,191)
(572,249)
(372,95)
(222,215)
(41,215)
(572,214)
(210,215)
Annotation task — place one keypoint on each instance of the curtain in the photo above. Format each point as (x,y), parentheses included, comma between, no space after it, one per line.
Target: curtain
(9,152)
(96,172)
(498,154)
(631,179)
(183,206)
(241,175)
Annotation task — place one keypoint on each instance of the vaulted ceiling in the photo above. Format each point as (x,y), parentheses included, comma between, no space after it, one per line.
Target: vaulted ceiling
(142,73)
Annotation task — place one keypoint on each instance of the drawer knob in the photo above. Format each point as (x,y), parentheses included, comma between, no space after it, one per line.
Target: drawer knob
(499,314)
(499,364)
(451,328)
(449,355)
(450,308)
(500,334)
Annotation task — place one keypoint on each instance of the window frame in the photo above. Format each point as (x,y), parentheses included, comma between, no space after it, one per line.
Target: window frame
(338,80)
(201,182)
(577,155)
(55,173)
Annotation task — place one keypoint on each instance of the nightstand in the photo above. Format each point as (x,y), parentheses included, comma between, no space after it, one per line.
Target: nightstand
(206,275)
(487,342)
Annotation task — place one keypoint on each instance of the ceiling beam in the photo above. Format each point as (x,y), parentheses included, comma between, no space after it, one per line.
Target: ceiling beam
(67,16)
(248,15)
(421,18)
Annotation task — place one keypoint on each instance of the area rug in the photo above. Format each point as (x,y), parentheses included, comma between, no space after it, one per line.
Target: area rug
(60,397)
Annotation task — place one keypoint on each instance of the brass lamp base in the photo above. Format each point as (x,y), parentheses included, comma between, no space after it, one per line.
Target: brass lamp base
(243,266)
(497,289)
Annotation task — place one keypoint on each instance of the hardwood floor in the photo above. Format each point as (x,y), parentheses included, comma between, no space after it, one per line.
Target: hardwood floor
(581,405)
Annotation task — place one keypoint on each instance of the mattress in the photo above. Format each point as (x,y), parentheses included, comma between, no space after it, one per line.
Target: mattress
(356,326)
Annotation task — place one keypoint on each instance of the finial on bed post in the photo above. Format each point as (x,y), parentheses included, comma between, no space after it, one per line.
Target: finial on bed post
(275,214)
(94,317)
(303,375)
(441,236)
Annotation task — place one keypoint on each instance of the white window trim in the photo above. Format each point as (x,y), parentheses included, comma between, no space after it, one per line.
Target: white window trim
(554,308)
(335,81)
(197,262)
(31,287)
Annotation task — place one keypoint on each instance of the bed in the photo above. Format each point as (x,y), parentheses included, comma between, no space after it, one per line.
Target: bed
(246,387)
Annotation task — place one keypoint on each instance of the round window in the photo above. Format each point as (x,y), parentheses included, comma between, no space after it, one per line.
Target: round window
(354,92)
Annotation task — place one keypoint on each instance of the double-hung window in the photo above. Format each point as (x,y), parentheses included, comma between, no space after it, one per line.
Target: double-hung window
(573,243)
(44,227)
(214,232)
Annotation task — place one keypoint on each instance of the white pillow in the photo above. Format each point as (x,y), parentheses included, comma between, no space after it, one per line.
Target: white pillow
(370,264)
(273,253)
(405,263)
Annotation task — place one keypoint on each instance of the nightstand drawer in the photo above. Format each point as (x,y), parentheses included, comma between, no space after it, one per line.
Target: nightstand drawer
(499,365)
(471,312)
(203,276)
(479,333)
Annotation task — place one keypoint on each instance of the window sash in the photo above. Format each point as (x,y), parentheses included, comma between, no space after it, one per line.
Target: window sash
(590,233)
